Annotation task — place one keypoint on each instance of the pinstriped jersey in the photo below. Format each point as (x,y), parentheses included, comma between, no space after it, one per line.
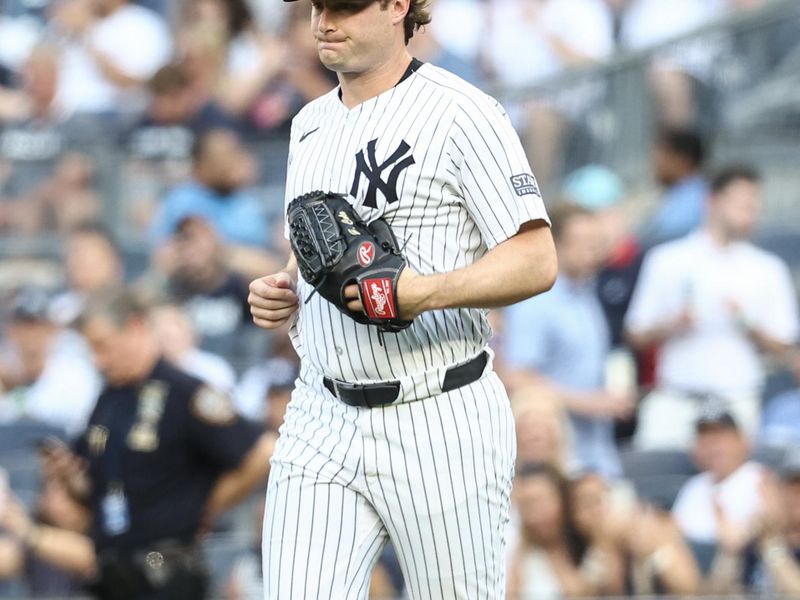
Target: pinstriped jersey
(438,160)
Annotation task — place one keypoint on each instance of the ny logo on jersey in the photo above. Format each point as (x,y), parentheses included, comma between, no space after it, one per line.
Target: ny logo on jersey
(373,171)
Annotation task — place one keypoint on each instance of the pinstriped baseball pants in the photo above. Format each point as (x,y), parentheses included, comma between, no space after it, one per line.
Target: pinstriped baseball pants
(433,475)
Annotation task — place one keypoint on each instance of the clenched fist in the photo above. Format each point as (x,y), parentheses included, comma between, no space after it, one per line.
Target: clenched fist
(273,300)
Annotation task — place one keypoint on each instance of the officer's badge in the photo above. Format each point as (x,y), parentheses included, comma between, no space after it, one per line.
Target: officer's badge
(213,407)
(143,436)
(96,438)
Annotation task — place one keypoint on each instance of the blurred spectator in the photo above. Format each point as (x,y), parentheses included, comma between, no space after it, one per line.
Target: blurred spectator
(426,47)
(257,77)
(600,191)
(222,169)
(48,375)
(34,103)
(645,24)
(562,337)
(640,546)
(277,399)
(781,417)
(55,508)
(763,557)
(163,454)
(56,194)
(175,116)
(111,48)
(47,188)
(660,561)
(677,160)
(200,277)
(176,338)
(18,35)
(701,299)
(551,559)
(601,524)
(303,70)
(249,58)
(682,75)
(93,263)
(776,568)
(678,71)
(552,35)
(544,433)
(460,26)
(302,78)
(721,501)
(254,396)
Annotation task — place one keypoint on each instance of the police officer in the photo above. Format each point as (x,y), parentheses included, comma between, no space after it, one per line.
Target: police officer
(162,454)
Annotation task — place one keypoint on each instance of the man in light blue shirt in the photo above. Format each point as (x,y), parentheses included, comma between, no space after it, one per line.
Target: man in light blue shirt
(222,168)
(677,161)
(562,337)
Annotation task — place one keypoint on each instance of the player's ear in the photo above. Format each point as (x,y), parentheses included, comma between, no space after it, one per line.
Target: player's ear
(399,9)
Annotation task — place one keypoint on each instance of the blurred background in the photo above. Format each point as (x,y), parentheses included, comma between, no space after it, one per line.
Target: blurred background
(656,388)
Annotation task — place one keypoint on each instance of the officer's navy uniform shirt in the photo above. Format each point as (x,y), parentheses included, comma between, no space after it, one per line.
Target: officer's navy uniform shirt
(174,437)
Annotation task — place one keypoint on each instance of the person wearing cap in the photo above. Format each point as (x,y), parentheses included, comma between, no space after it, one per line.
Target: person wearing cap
(439,163)
(600,190)
(49,376)
(764,557)
(702,301)
(714,505)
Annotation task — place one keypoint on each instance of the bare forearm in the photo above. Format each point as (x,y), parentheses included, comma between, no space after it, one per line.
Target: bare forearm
(11,559)
(67,550)
(766,343)
(782,567)
(522,266)
(724,575)
(681,575)
(113,73)
(234,486)
(647,338)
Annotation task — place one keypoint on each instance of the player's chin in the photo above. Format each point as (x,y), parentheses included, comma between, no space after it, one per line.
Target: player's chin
(332,59)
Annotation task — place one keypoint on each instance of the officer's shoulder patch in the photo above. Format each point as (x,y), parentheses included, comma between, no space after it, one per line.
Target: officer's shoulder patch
(212,406)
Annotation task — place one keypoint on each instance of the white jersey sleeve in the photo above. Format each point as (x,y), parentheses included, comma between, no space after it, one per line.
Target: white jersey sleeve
(497,183)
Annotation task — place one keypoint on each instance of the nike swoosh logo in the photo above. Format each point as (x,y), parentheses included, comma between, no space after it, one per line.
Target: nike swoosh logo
(307,133)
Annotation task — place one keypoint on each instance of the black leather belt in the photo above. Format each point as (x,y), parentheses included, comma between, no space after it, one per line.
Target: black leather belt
(370,395)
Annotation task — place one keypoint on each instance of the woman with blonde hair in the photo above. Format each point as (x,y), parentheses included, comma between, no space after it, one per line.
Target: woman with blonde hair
(544,433)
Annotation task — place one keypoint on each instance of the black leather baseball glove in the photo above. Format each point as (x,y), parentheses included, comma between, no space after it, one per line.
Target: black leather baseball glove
(334,248)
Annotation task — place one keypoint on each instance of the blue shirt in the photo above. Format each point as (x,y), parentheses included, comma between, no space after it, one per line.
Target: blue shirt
(563,335)
(780,423)
(682,210)
(238,218)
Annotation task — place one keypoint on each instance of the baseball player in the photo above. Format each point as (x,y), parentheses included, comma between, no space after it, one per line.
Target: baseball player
(407,434)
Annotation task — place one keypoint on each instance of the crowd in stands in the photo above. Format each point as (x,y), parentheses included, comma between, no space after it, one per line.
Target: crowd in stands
(656,387)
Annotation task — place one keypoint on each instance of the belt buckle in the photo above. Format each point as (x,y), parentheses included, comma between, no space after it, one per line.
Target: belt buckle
(351,389)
